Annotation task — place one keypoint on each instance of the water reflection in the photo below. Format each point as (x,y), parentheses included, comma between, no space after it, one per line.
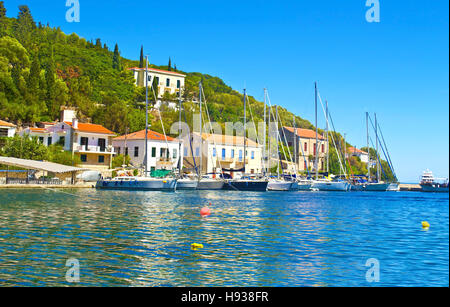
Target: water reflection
(251,239)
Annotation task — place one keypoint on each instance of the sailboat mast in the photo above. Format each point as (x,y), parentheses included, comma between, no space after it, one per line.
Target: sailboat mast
(265,148)
(278,149)
(317,133)
(368,148)
(146,116)
(200,88)
(328,146)
(180,164)
(295,144)
(245,129)
(376,144)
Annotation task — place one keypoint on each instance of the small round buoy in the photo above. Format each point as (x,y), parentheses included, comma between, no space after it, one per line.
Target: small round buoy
(425,225)
(205,211)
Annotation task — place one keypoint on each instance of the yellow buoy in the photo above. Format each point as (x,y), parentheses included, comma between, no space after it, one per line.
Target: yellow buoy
(425,225)
(196,246)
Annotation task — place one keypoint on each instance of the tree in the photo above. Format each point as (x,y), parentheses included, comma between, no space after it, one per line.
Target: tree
(169,66)
(141,60)
(50,77)
(116,58)
(24,26)
(2,18)
(25,148)
(98,43)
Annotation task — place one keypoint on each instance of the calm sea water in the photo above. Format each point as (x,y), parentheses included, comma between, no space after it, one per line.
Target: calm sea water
(251,239)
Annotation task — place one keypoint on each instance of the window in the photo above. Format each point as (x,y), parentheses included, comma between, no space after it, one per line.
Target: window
(214,152)
(84,142)
(102,144)
(306,147)
(3,132)
(101,159)
(253,155)
(175,152)
(49,141)
(323,147)
(153,152)
(322,165)
(167,82)
(232,153)
(117,150)
(41,139)
(126,151)
(224,153)
(83,158)
(185,152)
(197,152)
(240,155)
(136,151)
(62,140)
(315,146)
(178,83)
(152,169)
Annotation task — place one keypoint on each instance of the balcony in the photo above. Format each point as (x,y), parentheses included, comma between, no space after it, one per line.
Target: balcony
(93,149)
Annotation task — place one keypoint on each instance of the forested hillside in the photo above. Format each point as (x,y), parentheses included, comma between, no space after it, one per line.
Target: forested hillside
(42,69)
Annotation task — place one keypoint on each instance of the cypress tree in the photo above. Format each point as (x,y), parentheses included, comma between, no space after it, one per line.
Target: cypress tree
(175,67)
(116,58)
(141,61)
(169,67)
(98,43)
(24,25)
(51,86)
(2,18)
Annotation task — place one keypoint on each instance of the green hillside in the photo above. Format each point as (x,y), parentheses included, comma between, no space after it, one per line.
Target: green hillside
(42,69)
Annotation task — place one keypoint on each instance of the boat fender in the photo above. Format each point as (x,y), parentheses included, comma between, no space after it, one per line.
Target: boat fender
(425,225)
(205,211)
(195,246)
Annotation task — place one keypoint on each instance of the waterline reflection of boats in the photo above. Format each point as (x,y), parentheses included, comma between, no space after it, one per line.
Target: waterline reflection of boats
(256,185)
(137,184)
(327,185)
(281,185)
(187,184)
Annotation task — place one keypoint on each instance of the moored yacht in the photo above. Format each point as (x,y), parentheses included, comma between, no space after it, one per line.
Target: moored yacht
(431,184)
(137,184)
(328,185)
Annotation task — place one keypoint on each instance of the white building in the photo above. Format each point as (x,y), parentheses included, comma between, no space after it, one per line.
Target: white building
(168,81)
(223,152)
(355,152)
(163,152)
(91,142)
(7,129)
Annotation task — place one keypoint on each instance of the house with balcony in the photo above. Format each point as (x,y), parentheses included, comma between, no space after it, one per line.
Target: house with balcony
(306,147)
(168,81)
(222,152)
(163,151)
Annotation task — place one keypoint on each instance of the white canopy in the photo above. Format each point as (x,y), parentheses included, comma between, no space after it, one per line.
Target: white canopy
(39,165)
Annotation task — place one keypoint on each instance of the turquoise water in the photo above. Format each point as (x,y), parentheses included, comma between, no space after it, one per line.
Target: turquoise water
(251,239)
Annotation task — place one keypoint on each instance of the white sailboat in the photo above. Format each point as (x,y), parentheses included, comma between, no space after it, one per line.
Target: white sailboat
(144,183)
(326,184)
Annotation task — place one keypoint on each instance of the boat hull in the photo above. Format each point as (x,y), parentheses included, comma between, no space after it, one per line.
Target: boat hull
(247,185)
(394,187)
(184,184)
(138,185)
(210,185)
(280,186)
(331,186)
(435,188)
(304,186)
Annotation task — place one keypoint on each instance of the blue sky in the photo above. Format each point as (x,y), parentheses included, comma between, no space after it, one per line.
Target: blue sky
(397,68)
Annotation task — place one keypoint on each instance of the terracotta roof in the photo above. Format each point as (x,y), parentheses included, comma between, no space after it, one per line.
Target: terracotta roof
(355,150)
(91,128)
(39,130)
(157,70)
(6,124)
(305,133)
(140,135)
(227,139)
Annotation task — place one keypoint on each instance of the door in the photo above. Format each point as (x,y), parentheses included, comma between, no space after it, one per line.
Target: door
(84,142)
(102,144)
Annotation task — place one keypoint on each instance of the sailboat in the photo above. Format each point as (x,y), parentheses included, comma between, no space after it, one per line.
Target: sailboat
(205,182)
(378,185)
(144,183)
(246,183)
(184,182)
(278,183)
(329,183)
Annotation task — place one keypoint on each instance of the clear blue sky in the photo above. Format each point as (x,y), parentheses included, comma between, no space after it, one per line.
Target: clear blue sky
(398,67)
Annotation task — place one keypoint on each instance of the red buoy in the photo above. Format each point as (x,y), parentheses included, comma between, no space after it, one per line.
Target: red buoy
(205,211)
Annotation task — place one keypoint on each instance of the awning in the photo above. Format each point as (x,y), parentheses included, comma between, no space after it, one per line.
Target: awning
(40,165)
